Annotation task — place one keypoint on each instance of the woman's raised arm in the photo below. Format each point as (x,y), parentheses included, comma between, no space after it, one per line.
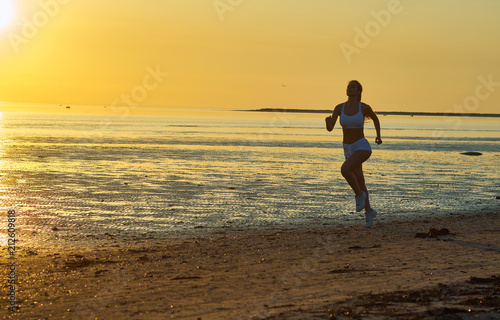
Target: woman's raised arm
(376,123)
(331,120)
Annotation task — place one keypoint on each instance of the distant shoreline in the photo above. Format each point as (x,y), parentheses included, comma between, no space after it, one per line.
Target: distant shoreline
(384,113)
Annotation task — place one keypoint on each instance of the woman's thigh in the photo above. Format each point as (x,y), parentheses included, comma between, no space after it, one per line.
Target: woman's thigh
(356,160)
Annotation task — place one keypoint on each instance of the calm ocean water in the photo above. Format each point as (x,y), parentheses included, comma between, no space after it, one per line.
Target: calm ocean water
(72,177)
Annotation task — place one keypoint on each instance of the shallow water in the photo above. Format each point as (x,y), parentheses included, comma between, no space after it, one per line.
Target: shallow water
(176,174)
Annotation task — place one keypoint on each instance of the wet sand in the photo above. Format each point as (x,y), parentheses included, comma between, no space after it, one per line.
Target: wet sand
(327,272)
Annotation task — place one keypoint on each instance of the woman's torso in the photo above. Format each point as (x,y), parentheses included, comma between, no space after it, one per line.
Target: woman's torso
(352,122)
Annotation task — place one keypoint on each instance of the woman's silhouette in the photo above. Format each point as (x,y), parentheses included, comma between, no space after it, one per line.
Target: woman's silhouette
(356,148)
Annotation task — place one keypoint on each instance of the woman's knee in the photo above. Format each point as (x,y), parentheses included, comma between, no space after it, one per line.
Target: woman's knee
(345,169)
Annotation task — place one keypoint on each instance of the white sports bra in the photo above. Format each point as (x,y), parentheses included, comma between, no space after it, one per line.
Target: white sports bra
(354,121)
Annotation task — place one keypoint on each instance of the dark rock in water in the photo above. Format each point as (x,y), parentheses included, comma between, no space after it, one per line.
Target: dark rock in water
(495,280)
(472,153)
(434,233)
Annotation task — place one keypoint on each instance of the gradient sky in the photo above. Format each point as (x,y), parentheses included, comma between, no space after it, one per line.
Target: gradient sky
(410,55)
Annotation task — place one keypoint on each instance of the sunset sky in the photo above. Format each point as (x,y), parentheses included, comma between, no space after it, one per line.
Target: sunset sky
(410,55)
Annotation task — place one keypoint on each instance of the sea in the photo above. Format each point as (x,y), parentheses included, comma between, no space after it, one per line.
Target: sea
(74,177)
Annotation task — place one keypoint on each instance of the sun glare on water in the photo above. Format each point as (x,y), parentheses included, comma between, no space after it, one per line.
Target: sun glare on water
(6,13)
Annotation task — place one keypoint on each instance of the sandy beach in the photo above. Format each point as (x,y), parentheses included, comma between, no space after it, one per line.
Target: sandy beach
(327,272)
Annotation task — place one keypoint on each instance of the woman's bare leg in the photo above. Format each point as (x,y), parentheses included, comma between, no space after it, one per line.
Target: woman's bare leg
(352,164)
(358,172)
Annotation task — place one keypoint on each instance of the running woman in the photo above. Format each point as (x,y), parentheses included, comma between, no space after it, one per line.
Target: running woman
(356,148)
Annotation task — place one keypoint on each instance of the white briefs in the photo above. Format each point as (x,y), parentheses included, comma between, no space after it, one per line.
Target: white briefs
(361,144)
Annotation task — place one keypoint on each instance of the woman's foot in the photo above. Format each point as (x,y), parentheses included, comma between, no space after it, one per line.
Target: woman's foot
(370,215)
(360,201)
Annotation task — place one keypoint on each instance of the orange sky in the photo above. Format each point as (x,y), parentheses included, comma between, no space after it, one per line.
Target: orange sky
(410,55)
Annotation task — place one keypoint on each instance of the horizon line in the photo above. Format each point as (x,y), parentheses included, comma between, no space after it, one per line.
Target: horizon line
(291,110)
